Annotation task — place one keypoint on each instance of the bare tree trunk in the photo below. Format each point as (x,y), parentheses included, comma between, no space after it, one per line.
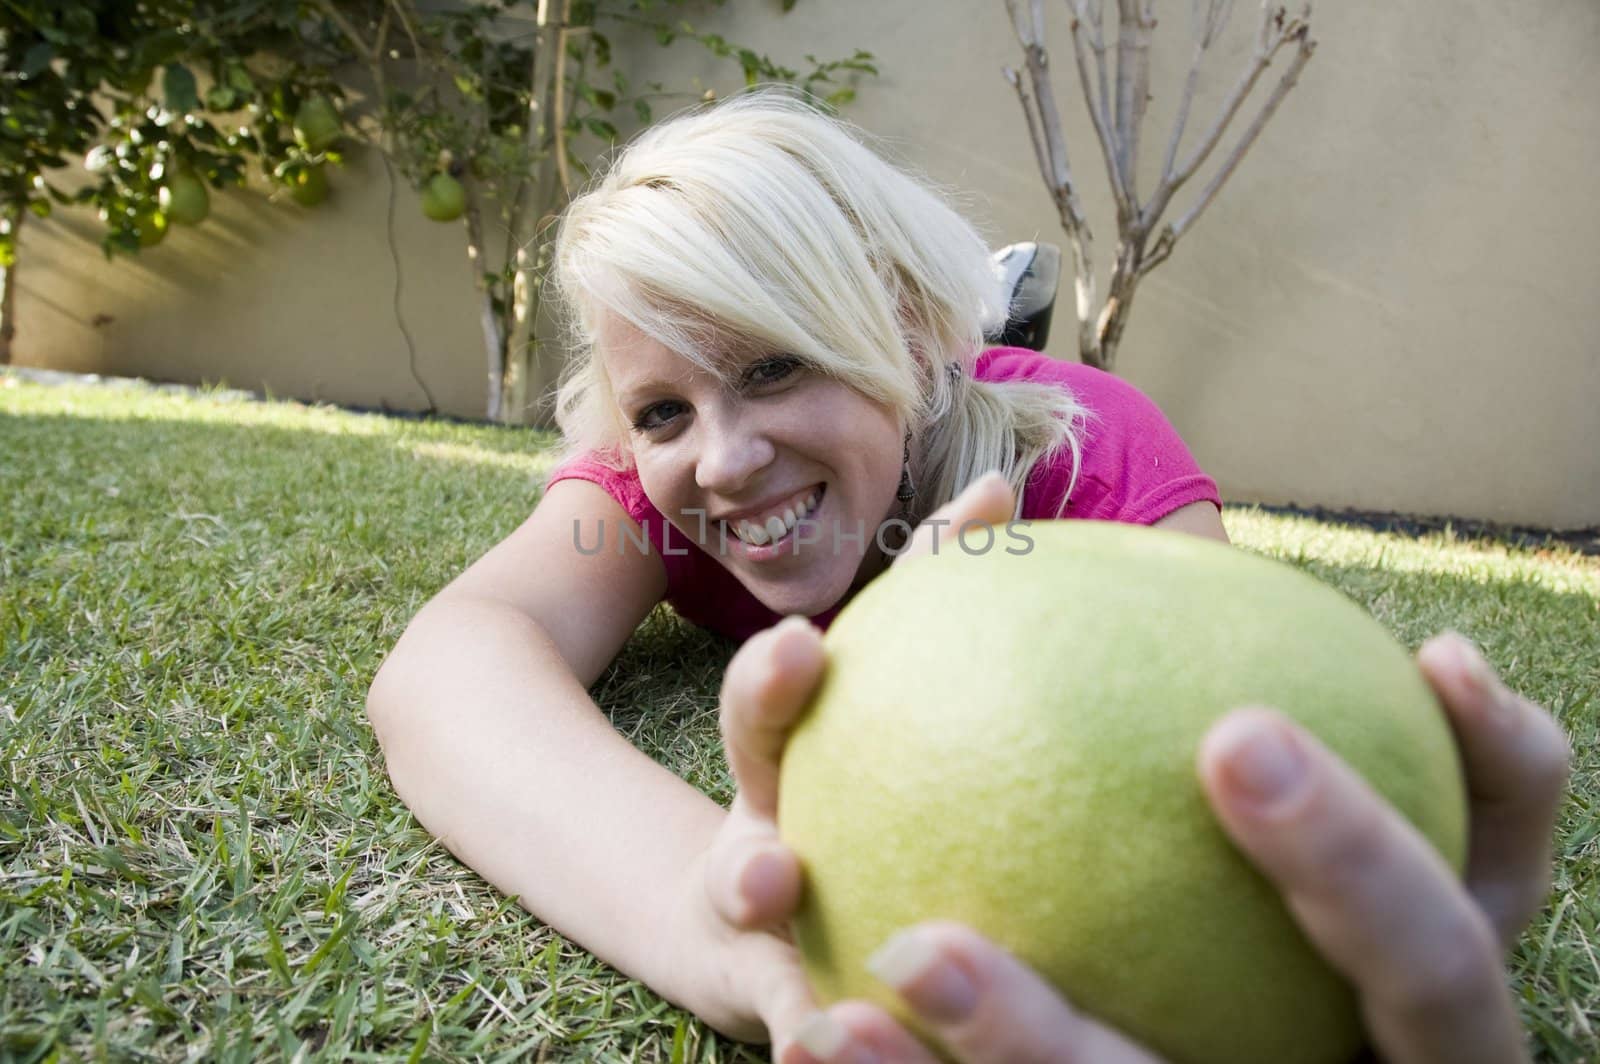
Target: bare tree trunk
(530,226)
(521,378)
(1114,317)
(494,342)
(8,293)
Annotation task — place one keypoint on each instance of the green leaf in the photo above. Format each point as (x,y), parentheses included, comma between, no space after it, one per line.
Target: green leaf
(41,207)
(221,98)
(239,79)
(178,86)
(642,109)
(36,60)
(840,97)
(788,6)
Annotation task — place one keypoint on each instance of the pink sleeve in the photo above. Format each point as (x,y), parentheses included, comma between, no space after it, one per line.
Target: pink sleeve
(624,487)
(1135,469)
(1138,467)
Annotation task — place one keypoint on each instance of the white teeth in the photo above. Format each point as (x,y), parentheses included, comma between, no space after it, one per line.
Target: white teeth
(776,526)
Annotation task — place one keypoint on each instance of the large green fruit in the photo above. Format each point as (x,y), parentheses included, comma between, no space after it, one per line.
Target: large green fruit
(443,198)
(184,199)
(1009,740)
(316,124)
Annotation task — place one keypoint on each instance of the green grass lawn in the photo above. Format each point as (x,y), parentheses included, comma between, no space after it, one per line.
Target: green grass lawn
(200,853)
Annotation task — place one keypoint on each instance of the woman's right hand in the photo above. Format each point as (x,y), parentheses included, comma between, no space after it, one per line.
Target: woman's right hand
(729,926)
(740,892)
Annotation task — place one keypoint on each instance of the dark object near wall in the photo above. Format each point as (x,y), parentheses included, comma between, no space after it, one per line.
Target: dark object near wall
(1031,273)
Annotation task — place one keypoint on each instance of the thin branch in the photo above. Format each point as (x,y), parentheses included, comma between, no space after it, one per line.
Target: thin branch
(357,42)
(1205,32)
(560,100)
(1135,23)
(399,8)
(1050,149)
(1171,233)
(1031,116)
(1098,113)
(1059,174)
(1274,33)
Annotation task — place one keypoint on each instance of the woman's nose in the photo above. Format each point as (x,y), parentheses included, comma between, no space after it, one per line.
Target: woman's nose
(732,450)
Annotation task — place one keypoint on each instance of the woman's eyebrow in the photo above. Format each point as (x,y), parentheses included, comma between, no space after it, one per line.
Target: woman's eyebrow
(637,390)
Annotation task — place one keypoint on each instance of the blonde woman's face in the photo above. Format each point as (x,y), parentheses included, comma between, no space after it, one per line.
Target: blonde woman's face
(785,477)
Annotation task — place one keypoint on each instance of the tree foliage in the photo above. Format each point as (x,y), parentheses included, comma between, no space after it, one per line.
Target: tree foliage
(491,109)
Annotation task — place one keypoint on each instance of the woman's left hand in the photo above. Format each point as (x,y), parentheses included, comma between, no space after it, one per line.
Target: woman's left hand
(1421,947)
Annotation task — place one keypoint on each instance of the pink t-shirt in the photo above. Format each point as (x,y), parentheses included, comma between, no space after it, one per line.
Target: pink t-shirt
(1134,470)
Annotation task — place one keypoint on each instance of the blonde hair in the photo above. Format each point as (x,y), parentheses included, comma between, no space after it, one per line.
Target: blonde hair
(760,221)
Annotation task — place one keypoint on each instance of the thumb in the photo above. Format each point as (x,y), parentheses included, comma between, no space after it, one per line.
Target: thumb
(988,500)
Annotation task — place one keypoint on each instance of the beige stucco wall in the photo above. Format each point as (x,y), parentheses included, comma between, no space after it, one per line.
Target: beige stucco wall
(1389,307)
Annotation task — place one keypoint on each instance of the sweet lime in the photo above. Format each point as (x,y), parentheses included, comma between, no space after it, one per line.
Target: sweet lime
(316,124)
(184,199)
(443,198)
(151,227)
(1008,738)
(309,186)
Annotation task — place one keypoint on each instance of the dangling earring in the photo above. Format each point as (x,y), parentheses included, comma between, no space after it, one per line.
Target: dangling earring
(907,490)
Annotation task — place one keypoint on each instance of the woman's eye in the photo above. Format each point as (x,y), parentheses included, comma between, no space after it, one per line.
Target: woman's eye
(771,370)
(654,417)
(767,371)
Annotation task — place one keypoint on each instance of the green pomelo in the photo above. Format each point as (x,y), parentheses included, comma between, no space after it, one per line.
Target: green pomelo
(151,227)
(443,198)
(1009,740)
(184,199)
(309,187)
(316,124)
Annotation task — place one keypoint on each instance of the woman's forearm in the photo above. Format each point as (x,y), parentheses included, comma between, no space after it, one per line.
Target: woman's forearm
(500,752)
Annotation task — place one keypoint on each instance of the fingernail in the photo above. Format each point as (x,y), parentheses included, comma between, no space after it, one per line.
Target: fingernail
(1264,764)
(936,987)
(826,1039)
(1474,669)
(762,877)
(1482,681)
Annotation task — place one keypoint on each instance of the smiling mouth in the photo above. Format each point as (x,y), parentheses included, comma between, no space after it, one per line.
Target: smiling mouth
(777,527)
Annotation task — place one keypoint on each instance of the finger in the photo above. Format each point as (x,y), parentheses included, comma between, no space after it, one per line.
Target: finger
(764,690)
(753,879)
(986,501)
(1517,760)
(855,1032)
(980,1002)
(1369,891)
(775,979)
(767,972)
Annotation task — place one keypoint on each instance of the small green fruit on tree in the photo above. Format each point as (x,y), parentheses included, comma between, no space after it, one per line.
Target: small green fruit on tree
(309,186)
(443,198)
(316,124)
(151,227)
(184,199)
(1008,737)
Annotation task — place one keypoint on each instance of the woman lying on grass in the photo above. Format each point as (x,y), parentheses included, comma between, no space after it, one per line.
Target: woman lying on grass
(780,368)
